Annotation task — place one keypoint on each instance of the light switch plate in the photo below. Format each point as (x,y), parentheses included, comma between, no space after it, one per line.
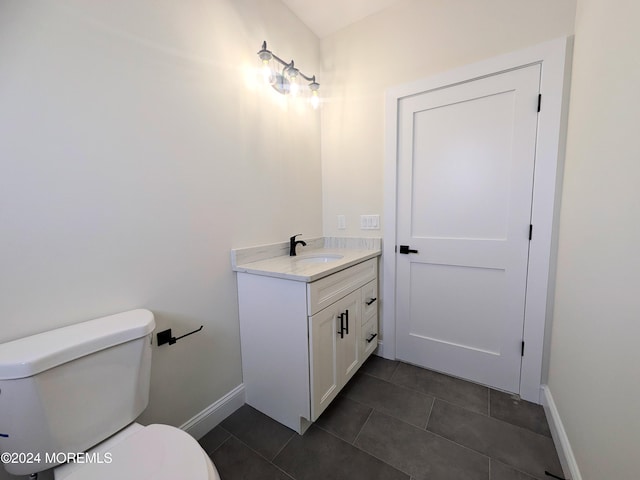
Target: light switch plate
(370,222)
(342,222)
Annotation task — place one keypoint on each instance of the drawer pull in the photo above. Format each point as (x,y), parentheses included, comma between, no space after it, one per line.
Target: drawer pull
(344,323)
(346,314)
(370,339)
(371,301)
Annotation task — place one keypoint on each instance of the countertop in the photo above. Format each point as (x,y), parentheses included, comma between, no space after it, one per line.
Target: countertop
(290,268)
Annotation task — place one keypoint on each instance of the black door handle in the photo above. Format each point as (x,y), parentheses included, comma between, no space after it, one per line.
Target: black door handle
(341,332)
(404,249)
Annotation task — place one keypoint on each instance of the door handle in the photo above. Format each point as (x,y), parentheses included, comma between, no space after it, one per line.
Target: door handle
(404,249)
(341,332)
(370,302)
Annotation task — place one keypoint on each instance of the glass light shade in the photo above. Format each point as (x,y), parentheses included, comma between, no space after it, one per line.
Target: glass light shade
(314,100)
(294,87)
(267,72)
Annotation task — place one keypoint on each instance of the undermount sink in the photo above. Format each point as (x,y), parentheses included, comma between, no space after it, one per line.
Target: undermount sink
(318,258)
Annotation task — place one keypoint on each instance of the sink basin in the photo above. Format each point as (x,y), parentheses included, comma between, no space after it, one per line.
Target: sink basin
(318,258)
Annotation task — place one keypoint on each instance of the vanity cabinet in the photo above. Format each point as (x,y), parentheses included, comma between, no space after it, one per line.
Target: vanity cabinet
(302,342)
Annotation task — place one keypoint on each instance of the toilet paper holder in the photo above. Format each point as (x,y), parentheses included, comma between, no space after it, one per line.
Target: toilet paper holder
(166,337)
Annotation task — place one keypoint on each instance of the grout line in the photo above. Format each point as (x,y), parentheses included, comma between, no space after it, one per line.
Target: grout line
(435,395)
(429,414)
(362,428)
(514,467)
(410,425)
(229,435)
(504,422)
(489,457)
(284,446)
(396,385)
(270,462)
(365,451)
(394,370)
(489,401)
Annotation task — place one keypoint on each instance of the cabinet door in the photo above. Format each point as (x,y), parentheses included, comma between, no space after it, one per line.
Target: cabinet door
(334,350)
(348,344)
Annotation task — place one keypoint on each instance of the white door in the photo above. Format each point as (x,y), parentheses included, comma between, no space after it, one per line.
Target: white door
(465,178)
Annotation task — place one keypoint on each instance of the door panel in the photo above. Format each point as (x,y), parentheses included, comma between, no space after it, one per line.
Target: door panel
(324,368)
(436,290)
(471,178)
(465,178)
(348,345)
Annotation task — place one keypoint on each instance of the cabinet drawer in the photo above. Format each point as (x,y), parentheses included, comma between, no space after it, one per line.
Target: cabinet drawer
(369,338)
(327,290)
(369,300)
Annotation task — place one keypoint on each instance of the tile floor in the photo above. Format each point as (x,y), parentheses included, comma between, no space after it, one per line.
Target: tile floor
(393,421)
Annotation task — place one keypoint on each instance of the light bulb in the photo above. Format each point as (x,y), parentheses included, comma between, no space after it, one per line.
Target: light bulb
(294,88)
(314,100)
(267,73)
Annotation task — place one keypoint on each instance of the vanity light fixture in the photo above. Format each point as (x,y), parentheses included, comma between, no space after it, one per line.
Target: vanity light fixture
(289,79)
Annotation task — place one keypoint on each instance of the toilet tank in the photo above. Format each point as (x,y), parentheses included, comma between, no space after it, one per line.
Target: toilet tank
(68,389)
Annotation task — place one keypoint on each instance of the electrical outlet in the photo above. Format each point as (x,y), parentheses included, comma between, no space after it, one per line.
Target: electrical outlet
(370,222)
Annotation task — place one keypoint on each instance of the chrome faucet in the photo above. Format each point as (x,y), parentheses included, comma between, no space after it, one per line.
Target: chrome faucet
(293,243)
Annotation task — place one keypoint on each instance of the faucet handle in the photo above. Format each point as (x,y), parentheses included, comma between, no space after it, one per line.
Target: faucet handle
(294,237)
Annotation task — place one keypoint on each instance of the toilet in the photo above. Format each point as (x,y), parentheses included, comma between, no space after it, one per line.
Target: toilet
(69,399)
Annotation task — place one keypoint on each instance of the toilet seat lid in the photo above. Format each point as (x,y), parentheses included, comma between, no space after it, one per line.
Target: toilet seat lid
(155,452)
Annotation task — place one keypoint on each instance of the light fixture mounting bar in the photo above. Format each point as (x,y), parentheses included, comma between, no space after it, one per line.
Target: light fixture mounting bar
(266,54)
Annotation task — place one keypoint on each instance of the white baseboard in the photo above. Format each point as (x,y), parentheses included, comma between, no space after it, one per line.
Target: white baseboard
(560,438)
(203,422)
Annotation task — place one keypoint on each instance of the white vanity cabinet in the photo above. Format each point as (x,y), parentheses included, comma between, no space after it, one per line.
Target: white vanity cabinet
(302,342)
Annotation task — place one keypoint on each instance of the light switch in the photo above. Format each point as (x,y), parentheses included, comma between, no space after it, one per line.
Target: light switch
(342,222)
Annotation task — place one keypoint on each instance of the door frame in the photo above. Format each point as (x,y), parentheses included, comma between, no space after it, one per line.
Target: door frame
(553,56)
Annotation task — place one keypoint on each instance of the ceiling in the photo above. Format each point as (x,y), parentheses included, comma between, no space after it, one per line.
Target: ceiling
(325,17)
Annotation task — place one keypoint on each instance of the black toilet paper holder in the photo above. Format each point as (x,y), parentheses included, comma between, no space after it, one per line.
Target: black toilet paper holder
(166,337)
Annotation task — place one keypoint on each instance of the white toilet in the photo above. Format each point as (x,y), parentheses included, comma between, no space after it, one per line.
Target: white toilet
(72,395)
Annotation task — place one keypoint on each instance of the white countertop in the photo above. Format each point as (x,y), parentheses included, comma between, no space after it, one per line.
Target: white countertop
(292,268)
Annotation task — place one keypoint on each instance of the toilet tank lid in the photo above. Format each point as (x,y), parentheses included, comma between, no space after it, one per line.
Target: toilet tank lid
(31,355)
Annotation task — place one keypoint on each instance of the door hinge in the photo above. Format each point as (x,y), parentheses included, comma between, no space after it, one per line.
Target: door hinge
(522,349)
(539,101)
(530,231)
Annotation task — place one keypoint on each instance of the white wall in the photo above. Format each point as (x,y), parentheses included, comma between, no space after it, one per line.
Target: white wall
(136,149)
(595,359)
(412,41)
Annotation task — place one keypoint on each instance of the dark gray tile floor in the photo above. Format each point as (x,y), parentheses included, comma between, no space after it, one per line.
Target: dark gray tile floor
(393,421)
